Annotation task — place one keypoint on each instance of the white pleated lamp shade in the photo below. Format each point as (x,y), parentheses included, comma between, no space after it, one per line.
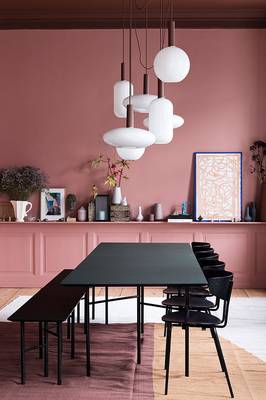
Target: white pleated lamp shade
(161,120)
(121,90)
(130,154)
(129,137)
(171,64)
(140,102)
(178,121)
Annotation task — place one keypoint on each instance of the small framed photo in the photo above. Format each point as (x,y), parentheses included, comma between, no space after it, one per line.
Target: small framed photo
(52,204)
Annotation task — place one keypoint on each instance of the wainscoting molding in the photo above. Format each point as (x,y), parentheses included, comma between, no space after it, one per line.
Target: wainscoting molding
(32,253)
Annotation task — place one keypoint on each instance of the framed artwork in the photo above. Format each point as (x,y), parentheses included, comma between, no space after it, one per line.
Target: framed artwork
(102,207)
(218,186)
(52,204)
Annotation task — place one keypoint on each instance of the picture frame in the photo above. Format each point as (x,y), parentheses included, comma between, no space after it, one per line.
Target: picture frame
(52,204)
(102,207)
(218,186)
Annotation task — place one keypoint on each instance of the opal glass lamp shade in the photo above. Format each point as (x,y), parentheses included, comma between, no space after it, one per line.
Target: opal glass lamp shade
(130,154)
(129,137)
(140,102)
(161,120)
(121,90)
(171,64)
(178,121)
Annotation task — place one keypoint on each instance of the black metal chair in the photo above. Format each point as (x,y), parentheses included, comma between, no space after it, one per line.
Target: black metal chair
(200,245)
(220,284)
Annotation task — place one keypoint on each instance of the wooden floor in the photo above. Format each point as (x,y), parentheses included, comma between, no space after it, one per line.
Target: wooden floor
(9,294)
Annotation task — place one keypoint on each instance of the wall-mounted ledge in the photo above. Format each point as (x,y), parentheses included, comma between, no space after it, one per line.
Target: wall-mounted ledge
(31,253)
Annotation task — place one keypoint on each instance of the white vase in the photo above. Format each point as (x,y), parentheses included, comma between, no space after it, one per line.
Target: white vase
(20,209)
(140,216)
(117,196)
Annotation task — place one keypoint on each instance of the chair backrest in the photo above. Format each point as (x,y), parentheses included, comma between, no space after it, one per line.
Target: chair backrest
(212,265)
(202,259)
(220,284)
(200,245)
(204,252)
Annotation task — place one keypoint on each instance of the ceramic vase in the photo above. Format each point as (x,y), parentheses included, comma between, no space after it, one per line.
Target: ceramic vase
(158,211)
(140,216)
(117,196)
(20,209)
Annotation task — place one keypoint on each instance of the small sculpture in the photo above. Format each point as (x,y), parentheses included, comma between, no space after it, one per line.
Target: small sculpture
(71,202)
(140,216)
(124,201)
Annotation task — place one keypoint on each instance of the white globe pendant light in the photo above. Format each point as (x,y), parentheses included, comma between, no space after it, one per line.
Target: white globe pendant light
(130,154)
(161,118)
(171,64)
(121,90)
(178,121)
(141,102)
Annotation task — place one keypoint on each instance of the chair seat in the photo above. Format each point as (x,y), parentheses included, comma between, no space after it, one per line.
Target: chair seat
(194,302)
(194,318)
(195,291)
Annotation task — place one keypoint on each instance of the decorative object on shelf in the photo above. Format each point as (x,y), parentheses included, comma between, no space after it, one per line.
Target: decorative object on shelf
(139,217)
(124,201)
(253,211)
(71,219)
(91,211)
(248,217)
(120,213)
(158,211)
(6,211)
(19,183)
(180,218)
(151,218)
(102,207)
(52,204)
(115,174)
(82,214)
(71,203)
(218,186)
(258,167)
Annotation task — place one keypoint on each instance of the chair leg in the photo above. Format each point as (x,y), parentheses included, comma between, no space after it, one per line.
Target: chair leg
(40,341)
(93,303)
(22,352)
(217,348)
(87,319)
(86,306)
(142,308)
(186,351)
(73,334)
(167,356)
(78,312)
(222,361)
(45,343)
(166,310)
(59,353)
(68,328)
(106,305)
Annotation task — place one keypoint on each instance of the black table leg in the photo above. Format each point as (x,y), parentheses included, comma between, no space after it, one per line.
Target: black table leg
(87,319)
(93,303)
(73,334)
(106,304)
(138,327)
(22,352)
(40,341)
(187,333)
(59,353)
(142,309)
(45,342)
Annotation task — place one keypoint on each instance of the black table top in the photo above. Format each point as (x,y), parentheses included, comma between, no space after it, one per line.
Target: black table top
(132,264)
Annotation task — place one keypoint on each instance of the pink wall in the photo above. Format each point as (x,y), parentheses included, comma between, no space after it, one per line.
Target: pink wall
(56,102)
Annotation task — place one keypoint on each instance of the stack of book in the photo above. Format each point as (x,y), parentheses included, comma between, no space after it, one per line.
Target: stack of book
(120,213)
(180,218)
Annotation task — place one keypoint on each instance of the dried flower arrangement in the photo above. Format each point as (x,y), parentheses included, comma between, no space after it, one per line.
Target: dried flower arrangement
(115,170)
(258,156)
(20,182)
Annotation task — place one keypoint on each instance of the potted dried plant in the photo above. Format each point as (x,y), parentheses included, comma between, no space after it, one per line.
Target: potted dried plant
(115,175)
(258,167)
(19,183)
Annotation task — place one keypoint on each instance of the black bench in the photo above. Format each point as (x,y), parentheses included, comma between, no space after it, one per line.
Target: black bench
(54,303)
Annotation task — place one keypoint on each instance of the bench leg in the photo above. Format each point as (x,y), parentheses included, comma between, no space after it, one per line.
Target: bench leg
(106,305)
(93,303)
(73,334)
(87,322)
(22,352)
(59,353)
(40,341)
(45,343)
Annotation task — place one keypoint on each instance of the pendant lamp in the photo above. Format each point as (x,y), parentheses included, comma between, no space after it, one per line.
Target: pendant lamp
(178,121)
(171,64)
(161,118)
(121,90)
(141,102)
(130,154)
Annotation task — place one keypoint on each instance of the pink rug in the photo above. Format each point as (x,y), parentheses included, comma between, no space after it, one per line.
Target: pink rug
(114,374)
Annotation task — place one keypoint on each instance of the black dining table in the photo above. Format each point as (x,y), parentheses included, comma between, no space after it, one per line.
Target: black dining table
(137,265)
